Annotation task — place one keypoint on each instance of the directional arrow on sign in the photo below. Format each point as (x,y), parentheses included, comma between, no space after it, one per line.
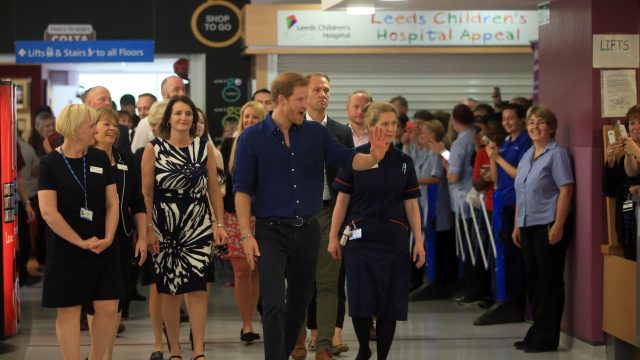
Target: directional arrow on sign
(22,52)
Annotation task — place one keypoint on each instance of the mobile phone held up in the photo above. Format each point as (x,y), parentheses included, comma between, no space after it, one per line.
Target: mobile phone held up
(445,154)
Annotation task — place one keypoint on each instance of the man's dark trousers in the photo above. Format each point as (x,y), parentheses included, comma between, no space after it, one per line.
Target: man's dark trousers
(290,250)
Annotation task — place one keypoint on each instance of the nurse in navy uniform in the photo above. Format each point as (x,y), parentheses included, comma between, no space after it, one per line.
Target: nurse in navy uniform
(380,207)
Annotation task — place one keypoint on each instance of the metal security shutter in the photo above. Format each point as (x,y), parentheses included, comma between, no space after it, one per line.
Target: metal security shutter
(434,82)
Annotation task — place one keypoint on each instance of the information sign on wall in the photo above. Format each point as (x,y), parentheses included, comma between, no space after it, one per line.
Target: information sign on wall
(407,28)
(616,51)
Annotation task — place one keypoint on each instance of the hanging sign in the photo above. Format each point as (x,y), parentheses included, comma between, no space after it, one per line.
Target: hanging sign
(407,28)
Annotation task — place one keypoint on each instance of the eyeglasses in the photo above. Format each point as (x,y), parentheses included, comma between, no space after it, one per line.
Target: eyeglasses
(539,122)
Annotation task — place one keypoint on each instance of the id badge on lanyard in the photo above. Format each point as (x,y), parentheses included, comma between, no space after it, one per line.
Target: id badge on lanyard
(85,212)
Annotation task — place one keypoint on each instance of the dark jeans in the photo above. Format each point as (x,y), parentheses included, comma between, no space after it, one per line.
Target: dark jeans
(513,261)
(293,251)
(545,283)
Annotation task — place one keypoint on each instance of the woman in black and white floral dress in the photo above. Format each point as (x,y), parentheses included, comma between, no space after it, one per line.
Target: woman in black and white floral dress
(178,171)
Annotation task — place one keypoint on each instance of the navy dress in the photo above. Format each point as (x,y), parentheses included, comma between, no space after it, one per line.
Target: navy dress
(181,217)
(376,264)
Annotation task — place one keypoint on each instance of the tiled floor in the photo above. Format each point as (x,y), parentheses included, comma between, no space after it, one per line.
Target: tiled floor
(435,330)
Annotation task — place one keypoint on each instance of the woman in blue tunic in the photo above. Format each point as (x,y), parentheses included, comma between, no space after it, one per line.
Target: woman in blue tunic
(382,208)
(178,172)
(544,186)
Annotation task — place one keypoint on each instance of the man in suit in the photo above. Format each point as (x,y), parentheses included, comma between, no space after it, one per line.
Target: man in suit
(323,310)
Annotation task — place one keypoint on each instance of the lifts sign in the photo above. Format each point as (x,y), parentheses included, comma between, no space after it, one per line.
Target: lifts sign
(412,28)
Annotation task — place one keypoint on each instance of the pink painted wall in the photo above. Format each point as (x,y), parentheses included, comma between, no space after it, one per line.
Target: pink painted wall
(571,87)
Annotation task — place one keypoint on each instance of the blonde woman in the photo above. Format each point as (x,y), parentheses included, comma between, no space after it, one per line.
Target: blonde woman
(178,172)
(79,201)
(380,205)
(247,289)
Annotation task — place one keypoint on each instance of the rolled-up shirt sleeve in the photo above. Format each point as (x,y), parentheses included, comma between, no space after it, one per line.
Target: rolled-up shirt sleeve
(245,166)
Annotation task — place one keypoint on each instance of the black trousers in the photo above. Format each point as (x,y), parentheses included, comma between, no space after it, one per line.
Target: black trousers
(545,283)
(293,251)
(513,261)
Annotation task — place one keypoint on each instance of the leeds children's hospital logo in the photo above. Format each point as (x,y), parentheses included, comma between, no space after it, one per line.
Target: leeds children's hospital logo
(291,20)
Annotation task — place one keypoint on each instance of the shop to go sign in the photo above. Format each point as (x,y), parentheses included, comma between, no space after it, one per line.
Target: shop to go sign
(216,23)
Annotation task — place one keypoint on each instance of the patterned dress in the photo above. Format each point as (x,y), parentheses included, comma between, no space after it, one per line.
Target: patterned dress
(181,217)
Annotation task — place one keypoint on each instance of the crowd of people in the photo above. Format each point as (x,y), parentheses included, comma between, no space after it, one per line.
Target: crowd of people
(308,212)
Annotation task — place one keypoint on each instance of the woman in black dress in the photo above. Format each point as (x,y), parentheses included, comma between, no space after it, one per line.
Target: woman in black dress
(178,172)
(79,201)
(131,208)
(382,208)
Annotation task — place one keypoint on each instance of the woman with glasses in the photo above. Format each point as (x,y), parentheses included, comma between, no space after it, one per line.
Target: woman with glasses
(544,185)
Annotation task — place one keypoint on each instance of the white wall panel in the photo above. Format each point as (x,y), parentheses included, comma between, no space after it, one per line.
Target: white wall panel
(434,82)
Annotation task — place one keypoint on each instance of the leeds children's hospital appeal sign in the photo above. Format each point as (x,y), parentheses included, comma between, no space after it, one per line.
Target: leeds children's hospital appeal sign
(409,28)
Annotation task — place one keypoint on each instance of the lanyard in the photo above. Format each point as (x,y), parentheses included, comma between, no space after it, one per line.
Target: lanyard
(84,167)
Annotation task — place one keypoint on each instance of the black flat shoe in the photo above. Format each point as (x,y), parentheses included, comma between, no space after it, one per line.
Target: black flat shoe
(156,355)
(520,345)
(539,349)
(248,337)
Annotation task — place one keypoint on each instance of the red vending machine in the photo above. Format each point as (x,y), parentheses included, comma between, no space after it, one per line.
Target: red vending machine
(10,300)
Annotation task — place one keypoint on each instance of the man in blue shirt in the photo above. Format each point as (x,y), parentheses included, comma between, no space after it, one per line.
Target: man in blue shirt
(278,177)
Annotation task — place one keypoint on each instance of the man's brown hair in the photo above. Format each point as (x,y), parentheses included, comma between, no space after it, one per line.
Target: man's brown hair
(285,83)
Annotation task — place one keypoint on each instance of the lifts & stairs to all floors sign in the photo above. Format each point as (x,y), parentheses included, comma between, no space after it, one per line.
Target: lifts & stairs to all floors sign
(39,52)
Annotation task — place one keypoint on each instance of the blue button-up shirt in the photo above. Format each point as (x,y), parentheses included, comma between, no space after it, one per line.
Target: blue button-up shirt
(460,163)
(538,184)
(512,151)
(286,181)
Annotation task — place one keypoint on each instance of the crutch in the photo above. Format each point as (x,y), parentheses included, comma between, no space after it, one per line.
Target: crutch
(475,225)
(459,250)
(489,227)
(466,229)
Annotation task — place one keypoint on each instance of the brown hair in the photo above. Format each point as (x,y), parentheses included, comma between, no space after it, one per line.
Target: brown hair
(634,110)
(545,114)
(106,112)
(285,83)
(164,130)
(318,74)
(436,127)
